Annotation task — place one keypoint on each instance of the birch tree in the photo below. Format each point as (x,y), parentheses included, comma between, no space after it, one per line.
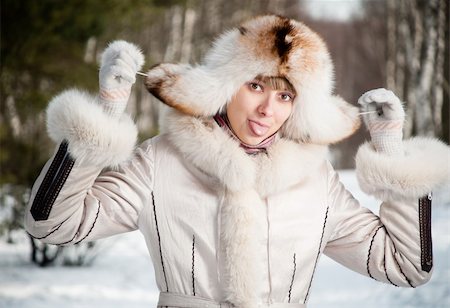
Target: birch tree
(415,61)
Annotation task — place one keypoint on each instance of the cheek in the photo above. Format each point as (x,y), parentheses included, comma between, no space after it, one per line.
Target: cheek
(241,104)
(236,111)
(284,113)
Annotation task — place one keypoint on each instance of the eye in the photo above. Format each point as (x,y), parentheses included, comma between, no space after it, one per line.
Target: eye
(286,97)
(255,86)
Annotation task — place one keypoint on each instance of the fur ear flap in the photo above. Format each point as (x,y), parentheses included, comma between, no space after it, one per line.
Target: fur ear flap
(328,121)
(191,90)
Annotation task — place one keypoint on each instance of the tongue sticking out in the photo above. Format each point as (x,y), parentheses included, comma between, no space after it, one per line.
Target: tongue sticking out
(257,129)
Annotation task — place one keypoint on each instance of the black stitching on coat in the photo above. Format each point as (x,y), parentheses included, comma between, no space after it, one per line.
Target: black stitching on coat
(400,268)
(385,271)
(370,250)
(59,244)
(292,280)
(159,242)
(318,253)
(92,227)
(40,238)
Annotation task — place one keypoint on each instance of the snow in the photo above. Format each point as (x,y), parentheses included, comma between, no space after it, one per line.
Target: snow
(121,275)
(336,286)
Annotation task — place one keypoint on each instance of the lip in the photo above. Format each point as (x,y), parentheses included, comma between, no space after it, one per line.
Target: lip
(258,129)
(259,123)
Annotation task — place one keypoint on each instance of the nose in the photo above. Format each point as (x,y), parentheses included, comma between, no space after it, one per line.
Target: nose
(265,107)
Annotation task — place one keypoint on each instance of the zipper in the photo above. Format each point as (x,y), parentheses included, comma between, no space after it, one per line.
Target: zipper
(52,183)
(426,245)
(193,264)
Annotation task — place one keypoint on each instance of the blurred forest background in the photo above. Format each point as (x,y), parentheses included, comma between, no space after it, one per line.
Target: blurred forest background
(50,45)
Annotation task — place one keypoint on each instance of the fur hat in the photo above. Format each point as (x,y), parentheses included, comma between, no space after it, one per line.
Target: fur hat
(271,46)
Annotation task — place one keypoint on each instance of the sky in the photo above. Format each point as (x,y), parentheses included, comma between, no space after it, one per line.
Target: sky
(340,10)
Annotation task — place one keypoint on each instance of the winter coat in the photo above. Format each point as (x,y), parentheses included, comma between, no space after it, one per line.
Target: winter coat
(225,228)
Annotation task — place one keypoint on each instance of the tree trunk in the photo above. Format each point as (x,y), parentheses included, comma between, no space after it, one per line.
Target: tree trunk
(43,254)
(446,99)
(415,61)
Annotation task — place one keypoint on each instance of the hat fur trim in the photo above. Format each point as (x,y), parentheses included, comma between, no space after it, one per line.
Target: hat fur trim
(264,46)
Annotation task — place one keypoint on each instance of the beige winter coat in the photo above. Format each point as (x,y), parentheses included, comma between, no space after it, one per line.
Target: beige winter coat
(223,227)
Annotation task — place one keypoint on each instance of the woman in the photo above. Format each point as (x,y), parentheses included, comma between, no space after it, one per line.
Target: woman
(235,197)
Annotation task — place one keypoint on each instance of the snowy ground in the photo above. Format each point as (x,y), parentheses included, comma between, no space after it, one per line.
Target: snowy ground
(122,275)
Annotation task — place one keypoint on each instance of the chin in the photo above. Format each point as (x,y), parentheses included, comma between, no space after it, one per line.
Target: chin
(253,141)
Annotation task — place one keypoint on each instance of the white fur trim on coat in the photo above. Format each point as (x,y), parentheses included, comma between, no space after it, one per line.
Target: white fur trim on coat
(210,149)
(424,167)
(286,164)
(94,137)
(239,223)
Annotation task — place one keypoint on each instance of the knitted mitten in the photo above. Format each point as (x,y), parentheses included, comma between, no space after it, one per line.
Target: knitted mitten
(119,64)
(385,120)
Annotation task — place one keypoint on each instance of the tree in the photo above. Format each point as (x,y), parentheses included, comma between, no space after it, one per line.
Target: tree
(46,46)
(416,53)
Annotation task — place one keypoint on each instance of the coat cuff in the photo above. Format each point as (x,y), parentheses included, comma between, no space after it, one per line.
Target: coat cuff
(94,137)
(424,168)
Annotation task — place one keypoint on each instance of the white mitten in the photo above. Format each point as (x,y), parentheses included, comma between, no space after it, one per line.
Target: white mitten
(386,123)
(119,64)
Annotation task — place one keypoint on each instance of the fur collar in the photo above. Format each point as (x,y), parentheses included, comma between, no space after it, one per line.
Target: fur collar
(203,143)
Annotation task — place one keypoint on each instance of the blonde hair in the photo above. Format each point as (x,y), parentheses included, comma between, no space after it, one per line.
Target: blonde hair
(277,83)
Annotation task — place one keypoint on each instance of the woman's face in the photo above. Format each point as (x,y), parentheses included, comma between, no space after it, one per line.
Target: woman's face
(257,111)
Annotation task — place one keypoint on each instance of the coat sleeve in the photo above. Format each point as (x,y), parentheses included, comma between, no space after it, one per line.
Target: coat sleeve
(96,183)
(396,246)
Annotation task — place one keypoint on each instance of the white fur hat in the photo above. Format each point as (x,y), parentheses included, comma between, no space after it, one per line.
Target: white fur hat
(269,46)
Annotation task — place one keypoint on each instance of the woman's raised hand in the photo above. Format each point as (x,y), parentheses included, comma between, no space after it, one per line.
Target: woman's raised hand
(119,64)
(383,116)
